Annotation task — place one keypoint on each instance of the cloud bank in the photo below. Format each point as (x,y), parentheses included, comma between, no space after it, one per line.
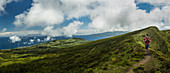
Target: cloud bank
(106,15)
(15,39)
(68,31)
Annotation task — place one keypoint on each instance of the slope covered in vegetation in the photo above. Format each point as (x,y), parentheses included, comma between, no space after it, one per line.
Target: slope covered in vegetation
(116,54)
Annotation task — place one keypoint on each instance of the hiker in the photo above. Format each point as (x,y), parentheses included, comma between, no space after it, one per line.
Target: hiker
(147,41)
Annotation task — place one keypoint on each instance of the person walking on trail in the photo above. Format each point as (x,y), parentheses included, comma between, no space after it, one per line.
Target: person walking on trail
(147,41)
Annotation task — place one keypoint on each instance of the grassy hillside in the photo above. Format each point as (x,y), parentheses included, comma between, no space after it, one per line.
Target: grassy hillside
(28,54)
(116,54)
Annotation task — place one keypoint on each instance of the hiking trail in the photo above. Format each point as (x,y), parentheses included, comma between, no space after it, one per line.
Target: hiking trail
(146,59)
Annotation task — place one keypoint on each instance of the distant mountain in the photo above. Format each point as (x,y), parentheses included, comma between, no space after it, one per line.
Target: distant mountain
(98,36)
(26,41)
(110,55)
(34,39)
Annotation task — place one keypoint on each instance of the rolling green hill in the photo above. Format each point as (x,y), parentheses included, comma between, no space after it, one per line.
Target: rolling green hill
(112,55)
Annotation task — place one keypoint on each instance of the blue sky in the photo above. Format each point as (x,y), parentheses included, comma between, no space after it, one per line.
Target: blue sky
(13,9)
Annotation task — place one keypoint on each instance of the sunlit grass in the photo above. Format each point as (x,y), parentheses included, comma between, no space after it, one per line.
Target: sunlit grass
(15,58)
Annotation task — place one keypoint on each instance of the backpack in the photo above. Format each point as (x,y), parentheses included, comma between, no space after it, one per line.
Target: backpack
(147,40)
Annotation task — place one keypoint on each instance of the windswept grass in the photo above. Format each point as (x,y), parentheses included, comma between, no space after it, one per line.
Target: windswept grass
(111,55)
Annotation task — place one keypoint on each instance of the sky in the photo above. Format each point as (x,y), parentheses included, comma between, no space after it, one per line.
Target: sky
(72,17)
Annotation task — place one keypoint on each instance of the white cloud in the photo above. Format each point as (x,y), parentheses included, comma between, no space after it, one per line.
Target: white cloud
(72,28)
(167,27)
(3,3)
(24,42)
(21,33)
(38,40)
(48,13)
(124,15)
(42,13)
(4,30)
(155,2)
(68,30)
(15,39)
(31,40)
(47,39)
(48,28)
(118,15)
(106,15)
(5,34)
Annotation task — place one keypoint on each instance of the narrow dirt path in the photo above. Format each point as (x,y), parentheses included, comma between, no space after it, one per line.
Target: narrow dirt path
(138,64)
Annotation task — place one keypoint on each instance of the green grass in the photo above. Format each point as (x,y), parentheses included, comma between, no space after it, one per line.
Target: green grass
(8,57)
(116,54)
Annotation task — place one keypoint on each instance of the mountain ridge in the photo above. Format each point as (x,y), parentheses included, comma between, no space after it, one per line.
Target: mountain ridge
(115,54)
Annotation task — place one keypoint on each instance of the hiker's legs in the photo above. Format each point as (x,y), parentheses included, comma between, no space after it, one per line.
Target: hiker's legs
(147,48)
